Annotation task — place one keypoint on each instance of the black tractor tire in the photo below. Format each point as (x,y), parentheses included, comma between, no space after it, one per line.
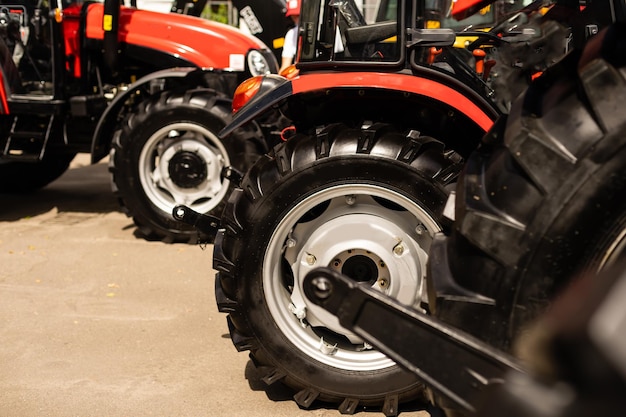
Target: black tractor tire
(168,152)
(363,201)
(540,203)
(24,177)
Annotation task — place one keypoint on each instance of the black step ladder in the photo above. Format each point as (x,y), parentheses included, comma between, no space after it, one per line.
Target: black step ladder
(28,137)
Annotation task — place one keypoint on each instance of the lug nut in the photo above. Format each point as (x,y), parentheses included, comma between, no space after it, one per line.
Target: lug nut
(326,348)
(323,287)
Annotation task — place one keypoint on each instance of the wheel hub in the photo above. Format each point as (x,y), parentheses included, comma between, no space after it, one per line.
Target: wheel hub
(182,164)
(362,266)
(369,233)
(362,247)
(187,169)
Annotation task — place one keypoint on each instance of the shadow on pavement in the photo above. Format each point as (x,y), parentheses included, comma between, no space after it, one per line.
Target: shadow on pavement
(83,188)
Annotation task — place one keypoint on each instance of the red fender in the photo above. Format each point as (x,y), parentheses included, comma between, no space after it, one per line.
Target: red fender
(398,82)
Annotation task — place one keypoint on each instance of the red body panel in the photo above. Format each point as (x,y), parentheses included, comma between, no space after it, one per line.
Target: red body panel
(465,8)
(71,36)
(4,105)
(399,82)
(204,43)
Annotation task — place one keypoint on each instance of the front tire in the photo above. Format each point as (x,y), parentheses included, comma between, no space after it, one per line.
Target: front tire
(168,153)
(363,201)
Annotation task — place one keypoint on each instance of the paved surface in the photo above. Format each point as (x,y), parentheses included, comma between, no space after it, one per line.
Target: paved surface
(95,321)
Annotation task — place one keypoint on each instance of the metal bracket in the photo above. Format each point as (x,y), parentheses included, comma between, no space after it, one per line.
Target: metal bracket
(453,363)
(202,222)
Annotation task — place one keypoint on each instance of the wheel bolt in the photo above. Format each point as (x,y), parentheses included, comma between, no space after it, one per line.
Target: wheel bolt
(323,287)
(326,348)
(310,259)
(299,312)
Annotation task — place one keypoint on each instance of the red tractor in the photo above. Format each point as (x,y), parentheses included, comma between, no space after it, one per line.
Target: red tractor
(262,18)
(378,119)
(539,222)
(374,124)
(149,90)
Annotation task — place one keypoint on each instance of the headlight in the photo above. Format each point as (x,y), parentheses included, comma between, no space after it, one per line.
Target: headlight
(257,63)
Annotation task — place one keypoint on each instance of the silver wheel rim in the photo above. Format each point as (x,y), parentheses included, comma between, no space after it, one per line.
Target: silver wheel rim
(613,252)
(166,148)
(377,243)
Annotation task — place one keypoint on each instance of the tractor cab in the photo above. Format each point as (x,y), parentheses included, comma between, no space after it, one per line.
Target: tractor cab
(418,36)
(338,33)
(26,48)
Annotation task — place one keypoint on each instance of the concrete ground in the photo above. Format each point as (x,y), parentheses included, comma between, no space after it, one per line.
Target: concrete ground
(95,321)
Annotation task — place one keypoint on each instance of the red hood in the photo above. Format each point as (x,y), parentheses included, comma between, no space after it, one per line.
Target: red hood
(205,43)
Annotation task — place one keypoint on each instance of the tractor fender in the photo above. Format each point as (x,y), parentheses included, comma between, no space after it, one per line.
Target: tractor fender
(107,124)
(273,89)
(447,90)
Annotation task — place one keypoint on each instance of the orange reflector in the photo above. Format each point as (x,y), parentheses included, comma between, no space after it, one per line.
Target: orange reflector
(290,72)
(246,91)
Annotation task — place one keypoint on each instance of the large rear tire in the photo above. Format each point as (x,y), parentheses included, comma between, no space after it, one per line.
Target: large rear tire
(541,202)
(168,153)
(363,201)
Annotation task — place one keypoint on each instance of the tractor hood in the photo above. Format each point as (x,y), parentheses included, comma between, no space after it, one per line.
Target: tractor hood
(202,42)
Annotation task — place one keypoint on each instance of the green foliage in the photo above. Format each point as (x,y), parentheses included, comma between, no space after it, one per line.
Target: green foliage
(216,12)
